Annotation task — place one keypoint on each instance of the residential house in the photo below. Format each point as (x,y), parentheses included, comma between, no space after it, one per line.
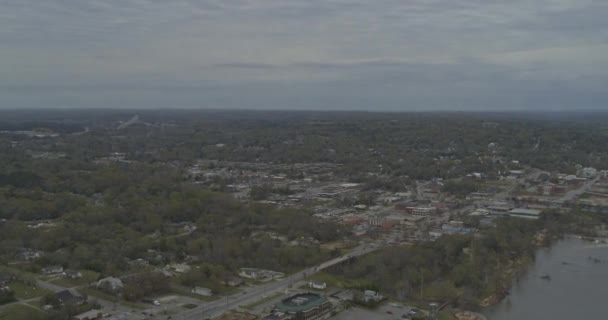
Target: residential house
(317,285)
(72,274)
(372,296)
(28,254)
(233,282)
(52,269)
(89,315)
(202,291)
(110,284)
(69,297)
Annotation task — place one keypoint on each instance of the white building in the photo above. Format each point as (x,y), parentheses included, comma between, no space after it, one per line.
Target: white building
(370,295)
(52,270)
(588,173)
(423,211)
(202,291)
(317,285)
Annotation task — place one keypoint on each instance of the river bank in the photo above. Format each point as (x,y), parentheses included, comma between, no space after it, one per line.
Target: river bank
(565,278)
(514,270)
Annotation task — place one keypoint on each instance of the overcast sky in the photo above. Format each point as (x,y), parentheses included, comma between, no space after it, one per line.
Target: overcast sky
(305,54)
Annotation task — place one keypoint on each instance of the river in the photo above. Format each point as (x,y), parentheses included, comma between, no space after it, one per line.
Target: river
(577,288)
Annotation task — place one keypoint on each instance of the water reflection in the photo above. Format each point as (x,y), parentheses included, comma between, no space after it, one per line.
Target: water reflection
(567,281)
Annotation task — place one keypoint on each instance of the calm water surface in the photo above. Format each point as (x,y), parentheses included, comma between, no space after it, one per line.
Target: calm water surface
(578,288)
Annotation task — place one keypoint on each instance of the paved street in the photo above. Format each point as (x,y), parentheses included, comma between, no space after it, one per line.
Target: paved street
(254,294)
(570,195)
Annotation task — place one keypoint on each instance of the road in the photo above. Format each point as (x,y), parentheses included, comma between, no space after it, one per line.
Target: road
(218,307)
(570,195)
(108,305)
(251,295)
(254,294)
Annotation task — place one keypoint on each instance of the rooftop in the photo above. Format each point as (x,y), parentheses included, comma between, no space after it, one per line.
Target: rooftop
(301,302)
(527,212)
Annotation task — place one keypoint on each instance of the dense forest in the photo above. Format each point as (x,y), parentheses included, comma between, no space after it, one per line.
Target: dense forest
(114,212)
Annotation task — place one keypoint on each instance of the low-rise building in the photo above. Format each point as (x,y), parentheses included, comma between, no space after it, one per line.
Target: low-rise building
(499,210)
(588,173)
(372,296)
(423,211)
(72,274)
(179,267)
(303,306)
(202,291)
(317,285)
(28,254)
(89,315)
(260,274)
(110,283)
(233,282)
(52,269)
(525,213)
(69,297)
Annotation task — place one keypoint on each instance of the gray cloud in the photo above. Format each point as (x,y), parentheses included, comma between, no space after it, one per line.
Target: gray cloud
(342,54)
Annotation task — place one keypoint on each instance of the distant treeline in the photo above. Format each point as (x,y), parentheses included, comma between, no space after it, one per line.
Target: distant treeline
(58,127)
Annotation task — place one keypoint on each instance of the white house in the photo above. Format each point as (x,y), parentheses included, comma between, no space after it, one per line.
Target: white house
(202,291)
(370,295)
(52,270)
(317,285)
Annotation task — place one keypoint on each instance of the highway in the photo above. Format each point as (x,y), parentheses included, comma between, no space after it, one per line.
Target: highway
(251,295)
(256,293)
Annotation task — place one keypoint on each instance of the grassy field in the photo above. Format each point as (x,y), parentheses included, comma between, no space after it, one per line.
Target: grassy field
(338,281)
(101,295)
(444,315)
(25,292)
(20,312)
(183,291)
(87,278)
(19,273)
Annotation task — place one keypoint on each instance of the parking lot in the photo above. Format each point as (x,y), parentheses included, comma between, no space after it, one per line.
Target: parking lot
(125,316)
(384,312)
(170,305)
